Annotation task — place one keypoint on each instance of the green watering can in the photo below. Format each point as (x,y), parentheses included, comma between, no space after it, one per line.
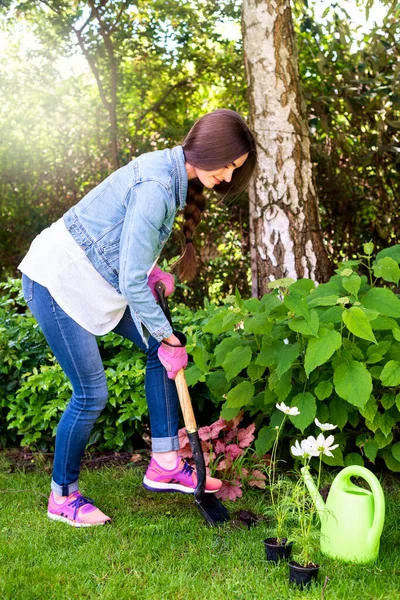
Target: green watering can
(352,518)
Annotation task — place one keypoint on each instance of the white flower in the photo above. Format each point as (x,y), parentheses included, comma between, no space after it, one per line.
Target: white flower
(321,445)
(324,426)
(301,449)
(294,411)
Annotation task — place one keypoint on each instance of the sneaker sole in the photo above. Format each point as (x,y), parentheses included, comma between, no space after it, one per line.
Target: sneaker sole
(73,523)
(158,486)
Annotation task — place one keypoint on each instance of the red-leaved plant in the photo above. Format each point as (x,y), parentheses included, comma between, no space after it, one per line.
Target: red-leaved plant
(227,455)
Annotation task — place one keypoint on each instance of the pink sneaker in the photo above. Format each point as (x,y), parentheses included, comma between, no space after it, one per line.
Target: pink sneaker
(77,511)
(182,478)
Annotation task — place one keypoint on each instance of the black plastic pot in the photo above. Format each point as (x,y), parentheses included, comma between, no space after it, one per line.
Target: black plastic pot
(276,552)
(301,575)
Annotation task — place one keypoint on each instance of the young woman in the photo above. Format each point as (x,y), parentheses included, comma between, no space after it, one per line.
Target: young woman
(94,271)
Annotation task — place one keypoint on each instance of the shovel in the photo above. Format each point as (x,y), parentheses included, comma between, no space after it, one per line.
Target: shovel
(213,511)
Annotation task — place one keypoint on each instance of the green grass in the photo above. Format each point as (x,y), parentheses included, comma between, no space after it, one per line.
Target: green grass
(158,547)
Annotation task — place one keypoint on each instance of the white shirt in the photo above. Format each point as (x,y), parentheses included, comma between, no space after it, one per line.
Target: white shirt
(58,263)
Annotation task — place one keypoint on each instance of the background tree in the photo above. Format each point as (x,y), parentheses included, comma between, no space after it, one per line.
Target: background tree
(286,236)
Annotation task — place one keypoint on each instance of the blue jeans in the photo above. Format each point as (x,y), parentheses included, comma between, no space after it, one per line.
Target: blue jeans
(78,354)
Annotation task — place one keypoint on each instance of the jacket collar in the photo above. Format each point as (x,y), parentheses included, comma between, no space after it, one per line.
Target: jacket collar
(179,159)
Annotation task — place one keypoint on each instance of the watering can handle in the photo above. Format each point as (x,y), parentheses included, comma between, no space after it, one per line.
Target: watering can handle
(379,498)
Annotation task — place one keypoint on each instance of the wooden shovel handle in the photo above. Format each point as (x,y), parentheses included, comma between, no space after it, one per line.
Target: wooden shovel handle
(185,402)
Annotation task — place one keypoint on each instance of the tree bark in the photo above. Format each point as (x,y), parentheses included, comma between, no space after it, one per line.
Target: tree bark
(285,234)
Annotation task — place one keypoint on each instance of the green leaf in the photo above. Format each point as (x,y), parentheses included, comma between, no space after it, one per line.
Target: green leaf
(266,357)
(222,349)
(307,406)
(388,401)
(368,248)
(322,412)
(240,395)
(353,458)
(323,301)
(398,401)
(259,324)
(352,284)
(223,321)
(323,390)
(383,300)
(201,358)
(319,350)
(334,461)
(393,252)
(382,440)
(353,382)
(217,383)
(371,450)
(193,374)
(387,269)
(255,371)
(391,462)
(338,412)
(390,375)
(332,315)
(238,299)
(229,413)
(284,386)
(302,287)
(298,306)
(357,323)
(300,325)
(385,422)
(396,451)
(237,360)
(265,440)
(285,357)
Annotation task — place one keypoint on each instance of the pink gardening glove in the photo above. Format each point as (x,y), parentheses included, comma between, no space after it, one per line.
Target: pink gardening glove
(158,275)
(173,358)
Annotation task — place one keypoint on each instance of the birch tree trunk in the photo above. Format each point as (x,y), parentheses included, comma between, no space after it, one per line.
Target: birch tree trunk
(285,232)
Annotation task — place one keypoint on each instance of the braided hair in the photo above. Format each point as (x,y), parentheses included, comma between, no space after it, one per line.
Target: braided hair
(216,140)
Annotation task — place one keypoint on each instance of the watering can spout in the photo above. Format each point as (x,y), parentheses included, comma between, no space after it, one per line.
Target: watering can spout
(315,495)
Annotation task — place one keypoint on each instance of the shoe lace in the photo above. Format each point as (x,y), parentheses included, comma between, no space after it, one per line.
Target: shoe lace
(187,469)
(78,502)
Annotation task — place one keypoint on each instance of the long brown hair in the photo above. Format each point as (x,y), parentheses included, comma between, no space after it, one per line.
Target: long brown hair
(215,141)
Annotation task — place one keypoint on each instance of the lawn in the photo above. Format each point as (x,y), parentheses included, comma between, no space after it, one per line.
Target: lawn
(158,547)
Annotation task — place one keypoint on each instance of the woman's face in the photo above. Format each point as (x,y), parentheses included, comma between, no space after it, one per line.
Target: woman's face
(211,178)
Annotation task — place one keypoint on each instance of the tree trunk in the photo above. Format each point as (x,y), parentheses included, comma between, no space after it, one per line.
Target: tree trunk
(285,233)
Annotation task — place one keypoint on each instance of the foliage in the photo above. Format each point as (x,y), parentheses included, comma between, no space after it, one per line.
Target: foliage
(225,448)
(173,62)
(35,391)
(333,351)
(352,89)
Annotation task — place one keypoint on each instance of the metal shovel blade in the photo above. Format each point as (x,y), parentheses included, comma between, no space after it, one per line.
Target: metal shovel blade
(213,511)
(209,505)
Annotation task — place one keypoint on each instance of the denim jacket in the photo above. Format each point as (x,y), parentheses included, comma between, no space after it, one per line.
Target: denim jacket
(123,224)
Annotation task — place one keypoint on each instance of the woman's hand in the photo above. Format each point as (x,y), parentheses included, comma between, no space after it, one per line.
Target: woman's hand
(158,275)
(172,355)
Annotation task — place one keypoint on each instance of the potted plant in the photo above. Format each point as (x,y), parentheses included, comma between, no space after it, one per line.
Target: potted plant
(278,547)
(303,569)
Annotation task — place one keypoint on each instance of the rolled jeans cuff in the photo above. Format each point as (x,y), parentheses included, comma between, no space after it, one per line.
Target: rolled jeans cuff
(64,490)
(165,444)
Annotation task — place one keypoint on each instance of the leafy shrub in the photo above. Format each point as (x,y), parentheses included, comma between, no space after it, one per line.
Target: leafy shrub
(35,391)
(333,351)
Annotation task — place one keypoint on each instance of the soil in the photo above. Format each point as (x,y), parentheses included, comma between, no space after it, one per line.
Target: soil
(24,459)
(274,542)
(310,565)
